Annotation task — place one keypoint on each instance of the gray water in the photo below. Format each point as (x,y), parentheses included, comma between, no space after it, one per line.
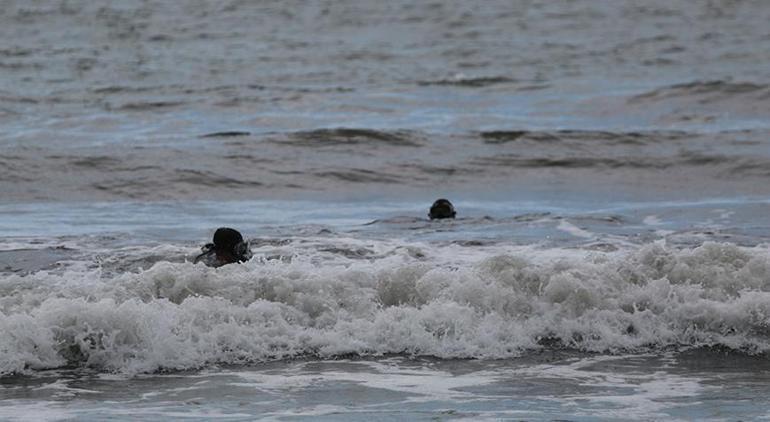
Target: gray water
(141,100)
(609,162)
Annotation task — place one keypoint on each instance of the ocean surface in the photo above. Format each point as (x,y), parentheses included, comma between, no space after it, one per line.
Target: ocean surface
(609,162)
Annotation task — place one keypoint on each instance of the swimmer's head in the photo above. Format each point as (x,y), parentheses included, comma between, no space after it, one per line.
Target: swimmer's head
(442,208)
(226,238)
(228,247)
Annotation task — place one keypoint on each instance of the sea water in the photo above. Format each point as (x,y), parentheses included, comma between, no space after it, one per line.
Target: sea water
(608,162)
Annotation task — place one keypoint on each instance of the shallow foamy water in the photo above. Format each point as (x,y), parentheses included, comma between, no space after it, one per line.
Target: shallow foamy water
(562,385)
(551,309)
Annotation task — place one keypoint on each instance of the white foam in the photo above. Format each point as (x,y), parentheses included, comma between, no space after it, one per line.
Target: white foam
(637,395)
(724,214)
(451,302)
(64,389)
(419,384)
(574,230)
(652,220)
(43,411)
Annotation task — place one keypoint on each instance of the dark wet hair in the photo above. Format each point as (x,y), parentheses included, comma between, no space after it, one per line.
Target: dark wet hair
(227,238)
(228,247)
(442,208)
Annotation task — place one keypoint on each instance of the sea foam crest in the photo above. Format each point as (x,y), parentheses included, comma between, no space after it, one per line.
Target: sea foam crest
(494,303)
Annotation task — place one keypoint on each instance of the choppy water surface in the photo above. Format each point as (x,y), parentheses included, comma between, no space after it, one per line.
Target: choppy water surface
(610,163)
(157,100)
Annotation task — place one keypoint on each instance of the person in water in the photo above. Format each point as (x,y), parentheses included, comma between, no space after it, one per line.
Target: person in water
(442,208)
(228,247)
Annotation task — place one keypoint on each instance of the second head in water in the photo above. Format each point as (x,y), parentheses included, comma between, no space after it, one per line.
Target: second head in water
(228,247)
(441,208)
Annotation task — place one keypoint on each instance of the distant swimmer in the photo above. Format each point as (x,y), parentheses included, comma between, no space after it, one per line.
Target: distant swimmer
(442,208)
(228,248)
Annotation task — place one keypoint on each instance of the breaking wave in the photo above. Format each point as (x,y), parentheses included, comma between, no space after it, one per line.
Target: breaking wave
(448,302)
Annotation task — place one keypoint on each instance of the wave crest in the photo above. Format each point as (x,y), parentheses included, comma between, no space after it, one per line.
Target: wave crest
(503,304)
